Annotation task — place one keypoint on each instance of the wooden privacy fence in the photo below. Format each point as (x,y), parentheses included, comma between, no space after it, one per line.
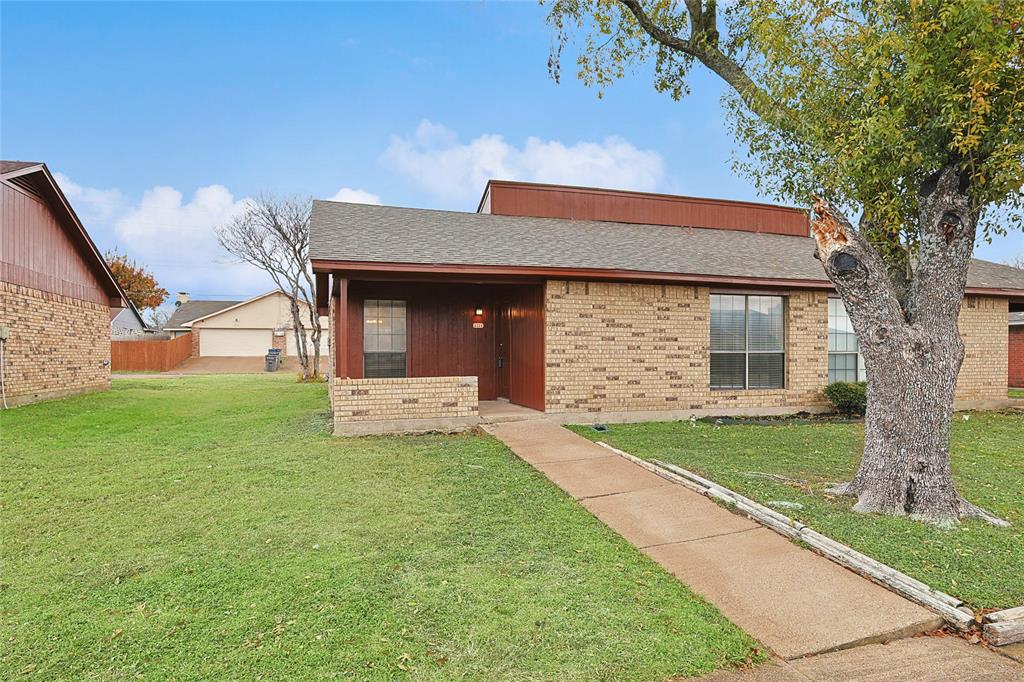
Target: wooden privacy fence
(149,356)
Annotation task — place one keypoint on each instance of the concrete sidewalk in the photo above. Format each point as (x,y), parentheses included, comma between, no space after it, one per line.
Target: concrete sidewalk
(919,659)
(795,602)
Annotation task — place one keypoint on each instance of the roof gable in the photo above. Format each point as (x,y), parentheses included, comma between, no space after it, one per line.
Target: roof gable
(189,311)
(35,179)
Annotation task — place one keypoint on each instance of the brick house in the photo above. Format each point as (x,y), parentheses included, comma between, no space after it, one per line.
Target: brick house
(1016,350)
(240,328)
(56,292)
(598,305)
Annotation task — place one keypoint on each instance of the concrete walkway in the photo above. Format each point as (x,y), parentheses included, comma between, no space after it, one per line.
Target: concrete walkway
(795,602)
(920,659)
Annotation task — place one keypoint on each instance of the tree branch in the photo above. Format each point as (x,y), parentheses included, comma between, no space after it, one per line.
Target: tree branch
(857,270)
(947,229)
(703,46)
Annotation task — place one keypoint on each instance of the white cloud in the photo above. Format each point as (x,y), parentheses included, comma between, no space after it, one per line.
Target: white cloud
(178,240)
(356,196)
(434,157)
(90,203)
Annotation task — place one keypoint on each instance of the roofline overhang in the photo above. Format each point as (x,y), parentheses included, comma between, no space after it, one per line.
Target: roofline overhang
(434,271)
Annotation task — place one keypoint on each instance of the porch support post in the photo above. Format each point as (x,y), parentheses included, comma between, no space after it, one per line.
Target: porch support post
(340,327)
(322,293)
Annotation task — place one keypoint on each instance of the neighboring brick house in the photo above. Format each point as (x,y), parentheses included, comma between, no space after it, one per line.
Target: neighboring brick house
(599,305)
(1016,350)
(56,292)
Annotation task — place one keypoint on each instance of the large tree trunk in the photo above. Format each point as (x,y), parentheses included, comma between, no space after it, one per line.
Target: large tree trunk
(912,353)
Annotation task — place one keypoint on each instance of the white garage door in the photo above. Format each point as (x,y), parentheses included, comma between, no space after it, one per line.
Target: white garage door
(290,347)
(234,342)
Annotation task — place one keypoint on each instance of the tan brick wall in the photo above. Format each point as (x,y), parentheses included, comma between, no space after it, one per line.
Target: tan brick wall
(613,347)
(406,398)
(983,325)
(625,347)
(58,345)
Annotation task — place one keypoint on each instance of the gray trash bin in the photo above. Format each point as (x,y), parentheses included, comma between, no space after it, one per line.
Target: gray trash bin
(273,362)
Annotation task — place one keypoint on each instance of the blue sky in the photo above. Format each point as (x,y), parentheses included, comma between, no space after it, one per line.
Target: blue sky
(160,118)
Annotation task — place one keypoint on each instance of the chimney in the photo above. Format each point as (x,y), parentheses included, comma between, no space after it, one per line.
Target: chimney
(182,298)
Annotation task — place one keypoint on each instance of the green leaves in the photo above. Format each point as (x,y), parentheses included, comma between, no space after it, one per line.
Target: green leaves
(859,101)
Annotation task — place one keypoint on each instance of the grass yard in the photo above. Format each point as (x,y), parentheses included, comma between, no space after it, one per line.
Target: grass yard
(1016,392)
(976,562)
(210,528)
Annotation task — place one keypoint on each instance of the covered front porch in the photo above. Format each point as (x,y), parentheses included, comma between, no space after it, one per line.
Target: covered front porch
(416,355)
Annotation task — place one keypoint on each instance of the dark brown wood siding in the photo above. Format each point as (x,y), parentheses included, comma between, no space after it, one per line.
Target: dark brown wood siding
(526,353)
(580,203)
(37,252)
(441,340)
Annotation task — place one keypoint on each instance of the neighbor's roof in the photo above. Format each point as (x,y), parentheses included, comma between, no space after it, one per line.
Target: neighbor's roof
(115,312)
(363,233)
(193,310)
(1016,318)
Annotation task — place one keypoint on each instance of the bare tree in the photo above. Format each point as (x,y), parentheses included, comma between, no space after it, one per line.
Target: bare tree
(158,319)
(1017,262)
(272,233)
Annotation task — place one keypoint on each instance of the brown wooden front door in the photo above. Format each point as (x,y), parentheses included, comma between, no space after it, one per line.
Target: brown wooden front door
(502,347)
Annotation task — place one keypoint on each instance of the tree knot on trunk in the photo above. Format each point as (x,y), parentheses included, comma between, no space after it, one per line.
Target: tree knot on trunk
(950,224)
(844,264)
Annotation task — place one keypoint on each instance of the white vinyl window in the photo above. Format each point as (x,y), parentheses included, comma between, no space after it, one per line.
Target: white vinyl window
(383,338)
(845,363)
(748,344)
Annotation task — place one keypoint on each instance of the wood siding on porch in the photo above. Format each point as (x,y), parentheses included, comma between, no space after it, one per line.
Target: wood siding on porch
(441,340)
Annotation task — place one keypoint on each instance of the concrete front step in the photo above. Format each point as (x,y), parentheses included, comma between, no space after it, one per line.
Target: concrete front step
(794,601)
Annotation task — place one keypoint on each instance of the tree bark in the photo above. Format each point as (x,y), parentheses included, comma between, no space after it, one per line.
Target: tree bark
(912,352)
(906,322)
(300,335)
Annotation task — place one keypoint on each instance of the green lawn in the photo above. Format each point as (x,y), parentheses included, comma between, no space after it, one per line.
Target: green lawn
(210,528)
(1016,392)
(976,562)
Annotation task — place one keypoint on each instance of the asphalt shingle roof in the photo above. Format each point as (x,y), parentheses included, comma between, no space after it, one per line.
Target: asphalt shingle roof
(191,310)
(387,234)
(11,166)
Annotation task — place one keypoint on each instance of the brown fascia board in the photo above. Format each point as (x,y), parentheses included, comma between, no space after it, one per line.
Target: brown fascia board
(432,271)
(377,270)
(634,193)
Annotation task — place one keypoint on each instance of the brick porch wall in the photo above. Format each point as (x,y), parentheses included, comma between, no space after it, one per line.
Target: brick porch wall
(58,346)
(442,401)
(1016,356)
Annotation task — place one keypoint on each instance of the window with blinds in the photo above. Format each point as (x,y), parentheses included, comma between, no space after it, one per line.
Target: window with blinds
(845,363)
(383,338)
(748,348)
